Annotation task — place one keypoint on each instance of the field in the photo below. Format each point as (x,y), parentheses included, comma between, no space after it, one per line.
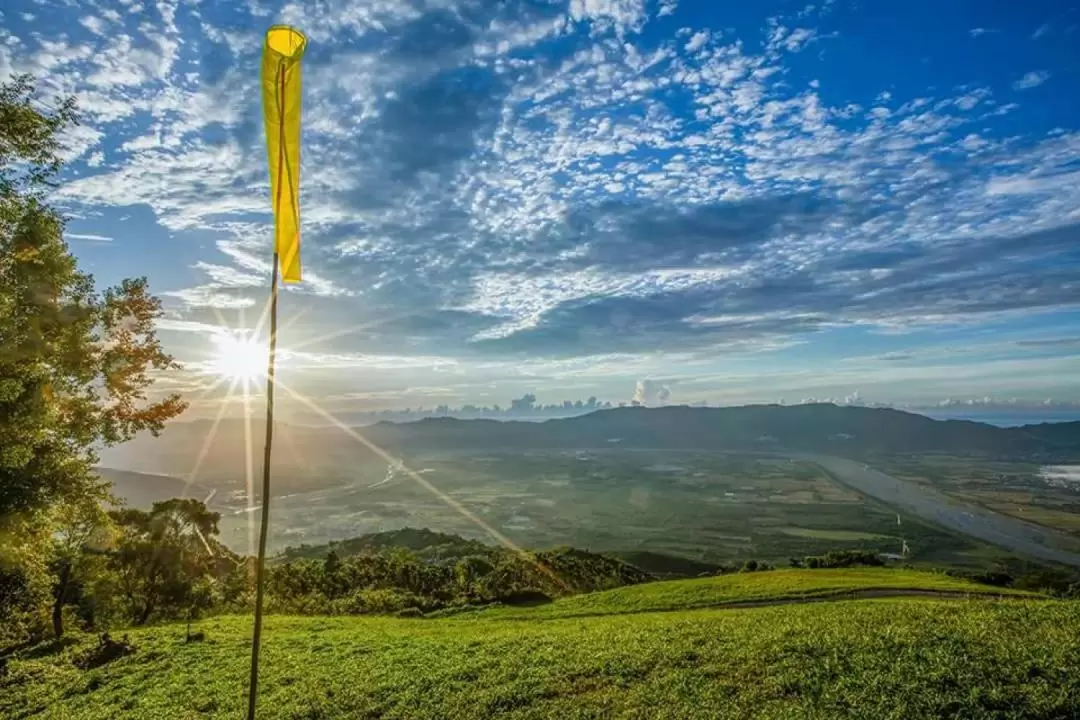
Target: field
(707,506)
(746,588)
(895,658)
(1021,490)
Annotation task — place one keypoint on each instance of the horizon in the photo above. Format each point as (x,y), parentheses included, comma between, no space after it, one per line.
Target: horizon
(654,200)
(998,415)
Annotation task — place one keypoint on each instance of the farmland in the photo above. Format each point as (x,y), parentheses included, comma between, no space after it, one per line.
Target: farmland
(713,507)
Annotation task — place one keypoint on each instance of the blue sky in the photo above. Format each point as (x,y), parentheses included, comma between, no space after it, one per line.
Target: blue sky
(736,202)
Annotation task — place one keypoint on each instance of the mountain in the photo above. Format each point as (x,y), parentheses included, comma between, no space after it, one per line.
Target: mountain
(306,456)
(820,428)
(142,490)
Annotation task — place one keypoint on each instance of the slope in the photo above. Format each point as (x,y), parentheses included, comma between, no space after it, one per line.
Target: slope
(910,658)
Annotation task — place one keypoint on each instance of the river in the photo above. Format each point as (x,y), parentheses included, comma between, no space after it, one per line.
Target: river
(1023,537)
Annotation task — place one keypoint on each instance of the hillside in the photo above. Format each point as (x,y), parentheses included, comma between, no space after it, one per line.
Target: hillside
(904,657)
(142,490)
(316,456)
(426,544)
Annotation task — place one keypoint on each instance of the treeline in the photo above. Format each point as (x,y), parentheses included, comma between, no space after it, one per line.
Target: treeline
(398,580)
(133,567)
(1026,575)
(123,567)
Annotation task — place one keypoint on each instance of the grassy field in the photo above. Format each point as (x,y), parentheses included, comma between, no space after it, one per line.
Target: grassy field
(744,587)
(899,658)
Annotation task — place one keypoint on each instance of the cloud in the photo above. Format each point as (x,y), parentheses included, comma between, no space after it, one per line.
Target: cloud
(579,180)
(188,326)
(211,296)
(1033,79)
(1050,342)
(979,31)
(622,15)
(651,392)
(88,237)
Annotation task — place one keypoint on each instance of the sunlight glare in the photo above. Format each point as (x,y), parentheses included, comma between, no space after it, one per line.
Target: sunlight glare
(238,358)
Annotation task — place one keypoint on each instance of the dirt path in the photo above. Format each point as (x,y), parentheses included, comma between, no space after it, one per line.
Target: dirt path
(869,594)
(1007,532)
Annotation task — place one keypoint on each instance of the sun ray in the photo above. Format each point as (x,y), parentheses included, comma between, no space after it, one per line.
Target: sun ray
(205,449)
(249,473)
(359,327)
(427,485)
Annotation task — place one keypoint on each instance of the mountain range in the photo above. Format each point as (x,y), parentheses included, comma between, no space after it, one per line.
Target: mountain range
(312,457)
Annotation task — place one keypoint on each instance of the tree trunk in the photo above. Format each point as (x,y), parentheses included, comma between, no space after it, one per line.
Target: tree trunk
(58,601)
(148,608)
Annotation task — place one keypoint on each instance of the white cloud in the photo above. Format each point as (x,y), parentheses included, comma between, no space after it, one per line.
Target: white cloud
(1032,79)
(651,392)
(88,237)
(188,326)
(697,41)
(94,24)
(210,296)
(622,15)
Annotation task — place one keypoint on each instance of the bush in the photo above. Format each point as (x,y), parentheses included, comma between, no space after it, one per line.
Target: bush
(843,559)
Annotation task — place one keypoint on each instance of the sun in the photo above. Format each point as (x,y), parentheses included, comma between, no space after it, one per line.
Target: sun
(238,358)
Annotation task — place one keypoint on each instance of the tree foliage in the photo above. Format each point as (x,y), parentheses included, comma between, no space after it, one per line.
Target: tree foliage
(167,558)
(77,366)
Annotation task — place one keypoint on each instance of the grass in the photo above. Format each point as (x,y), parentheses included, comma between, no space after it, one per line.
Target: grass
(743,587)
(839,535)
(898,658)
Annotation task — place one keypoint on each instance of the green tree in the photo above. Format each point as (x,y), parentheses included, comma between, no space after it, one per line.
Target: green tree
(163,555)
(82,535)
(75,364)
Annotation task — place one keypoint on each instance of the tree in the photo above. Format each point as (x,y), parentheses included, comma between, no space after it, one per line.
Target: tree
(162,556)
(81,536)
(75,365)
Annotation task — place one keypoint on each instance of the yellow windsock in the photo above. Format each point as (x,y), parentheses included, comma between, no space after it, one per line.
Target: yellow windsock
(282,52)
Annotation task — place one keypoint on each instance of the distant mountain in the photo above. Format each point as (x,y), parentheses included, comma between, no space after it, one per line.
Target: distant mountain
(312,457)
(820,428)
(142,490)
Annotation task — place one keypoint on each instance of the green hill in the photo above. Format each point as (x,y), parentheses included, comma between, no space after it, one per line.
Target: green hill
(426,544)
(917,657)
(758,587)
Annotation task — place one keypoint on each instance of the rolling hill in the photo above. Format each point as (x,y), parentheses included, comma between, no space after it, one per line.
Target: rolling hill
(652,651)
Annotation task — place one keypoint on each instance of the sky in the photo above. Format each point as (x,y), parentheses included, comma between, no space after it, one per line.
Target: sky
(673,201)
